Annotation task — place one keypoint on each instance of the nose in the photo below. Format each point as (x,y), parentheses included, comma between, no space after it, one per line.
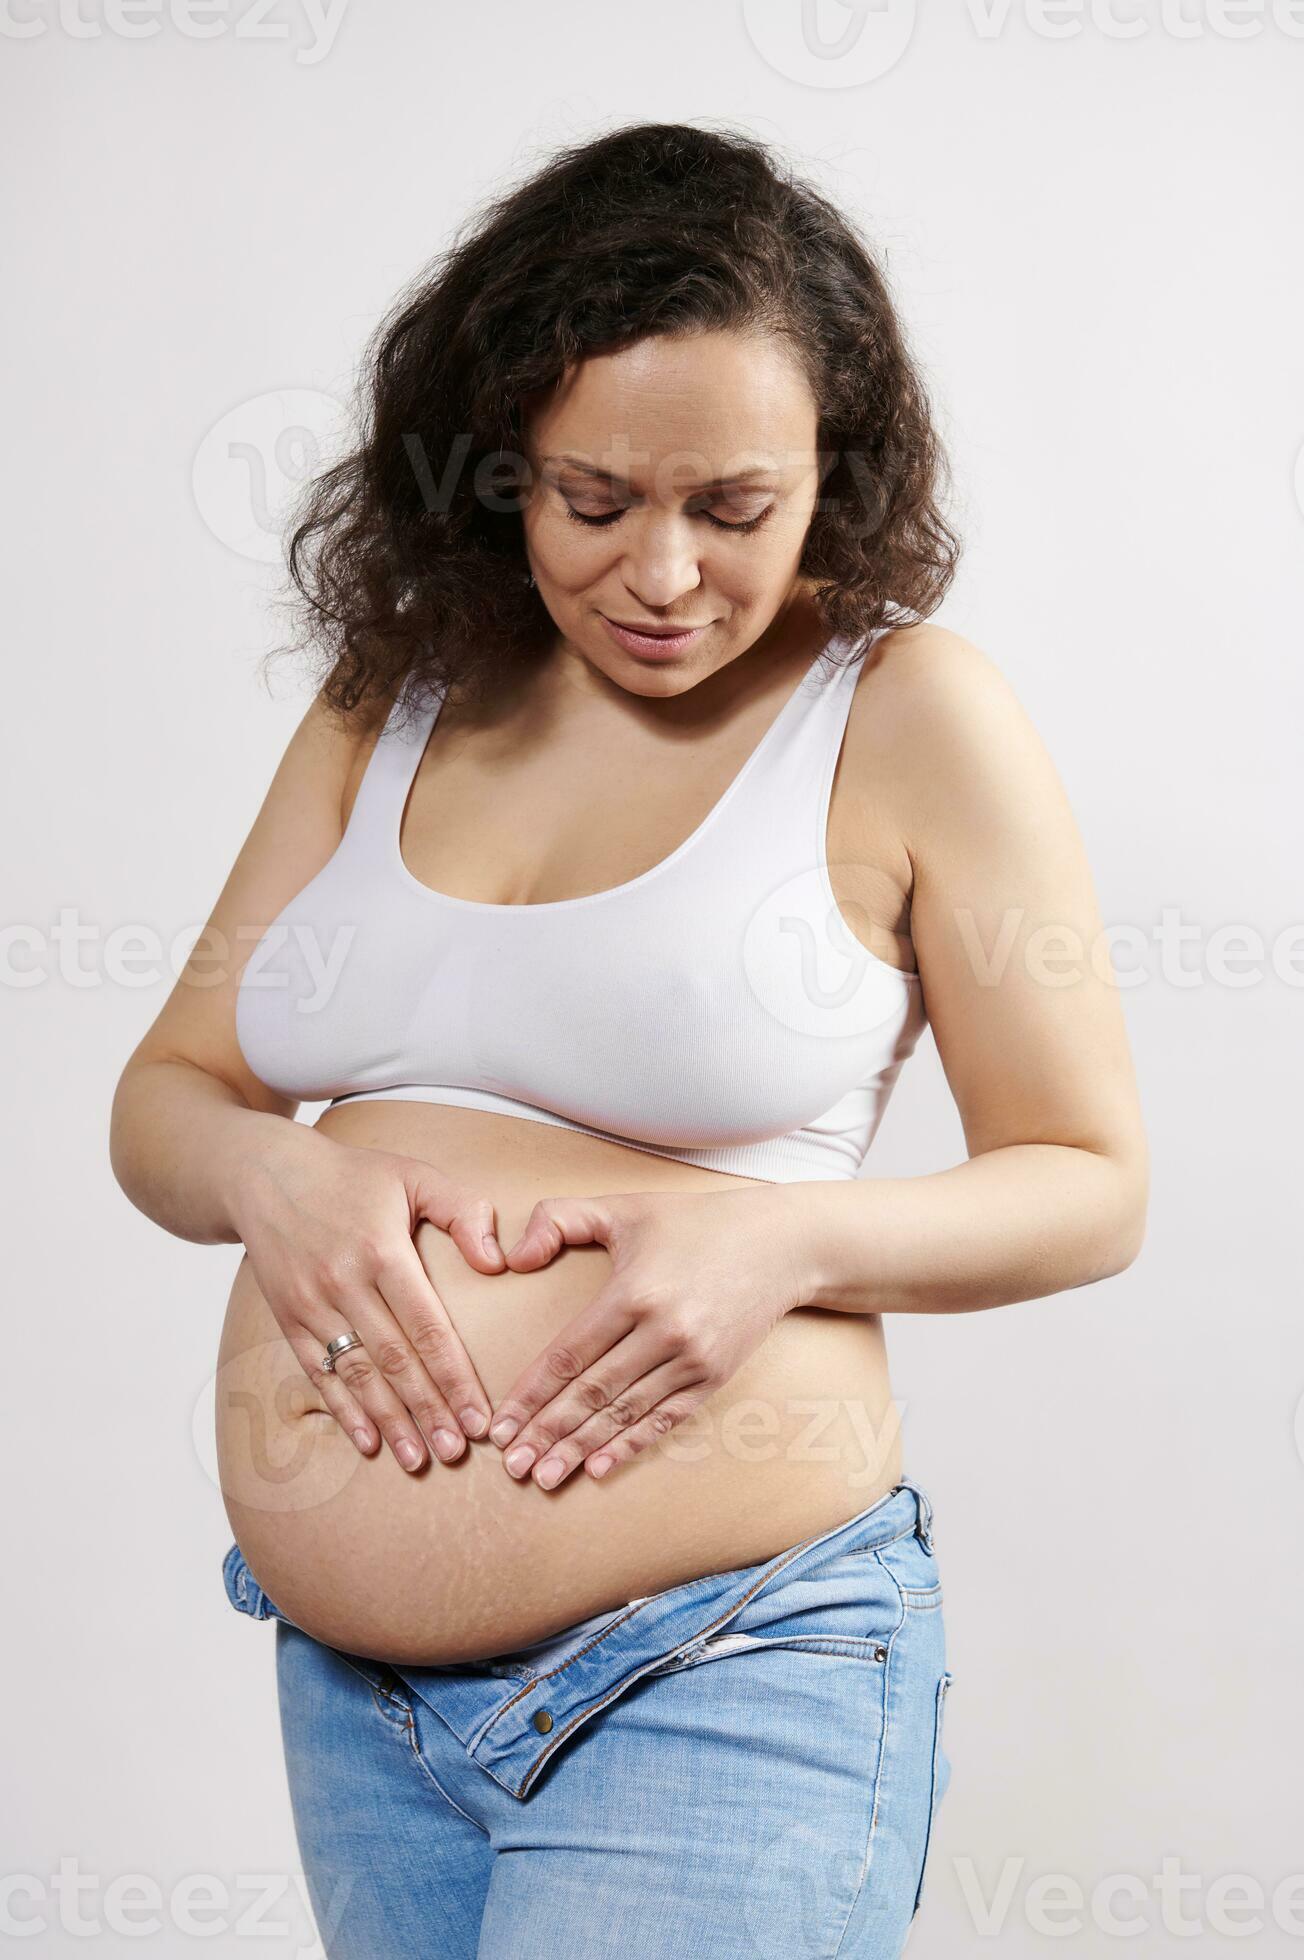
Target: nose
(661,562)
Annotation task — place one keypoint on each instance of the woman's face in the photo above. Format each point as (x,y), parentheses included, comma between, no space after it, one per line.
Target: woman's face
(671,486)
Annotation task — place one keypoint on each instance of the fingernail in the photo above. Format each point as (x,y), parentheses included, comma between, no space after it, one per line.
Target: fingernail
(407,1453)
(549,1472)
(472,1421)
(362,1437)
(519,1461)
(503,1431)
(447,1444)
(599,1465)
(491,1245)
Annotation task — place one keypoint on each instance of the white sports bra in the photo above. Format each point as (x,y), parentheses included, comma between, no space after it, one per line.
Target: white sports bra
(717,1009)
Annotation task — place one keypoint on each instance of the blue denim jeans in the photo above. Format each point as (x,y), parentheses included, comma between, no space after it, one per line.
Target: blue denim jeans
(748,1765)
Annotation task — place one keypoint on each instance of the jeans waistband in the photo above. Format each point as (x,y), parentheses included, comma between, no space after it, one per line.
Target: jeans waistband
(511,1721)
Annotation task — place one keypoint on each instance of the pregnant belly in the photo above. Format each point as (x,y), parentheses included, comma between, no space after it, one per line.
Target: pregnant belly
(460,1562)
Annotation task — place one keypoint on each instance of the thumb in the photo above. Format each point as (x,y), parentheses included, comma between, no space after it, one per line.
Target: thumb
(468,1221)
(558,1222)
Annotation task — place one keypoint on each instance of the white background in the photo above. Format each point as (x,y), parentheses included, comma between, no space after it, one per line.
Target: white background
(1094,238)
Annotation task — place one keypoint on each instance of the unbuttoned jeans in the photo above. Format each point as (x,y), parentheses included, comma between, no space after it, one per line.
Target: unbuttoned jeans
(747,1765)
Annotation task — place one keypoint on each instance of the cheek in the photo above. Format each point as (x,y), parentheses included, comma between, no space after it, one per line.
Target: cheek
(755,574)
(790,527)
(566,556)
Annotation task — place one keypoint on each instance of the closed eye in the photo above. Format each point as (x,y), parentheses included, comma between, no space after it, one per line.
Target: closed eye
(720,523)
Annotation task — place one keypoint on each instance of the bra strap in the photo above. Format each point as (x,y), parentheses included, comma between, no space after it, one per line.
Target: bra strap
(377,811)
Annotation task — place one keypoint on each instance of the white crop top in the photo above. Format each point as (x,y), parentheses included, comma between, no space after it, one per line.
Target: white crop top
(717,1009)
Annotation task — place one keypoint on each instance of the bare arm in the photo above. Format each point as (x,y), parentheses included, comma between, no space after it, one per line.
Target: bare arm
(182,1143)
(209,1152)
(1026,1018)
(189,1116)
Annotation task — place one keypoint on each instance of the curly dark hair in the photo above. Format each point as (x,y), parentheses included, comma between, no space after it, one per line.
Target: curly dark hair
(408,555)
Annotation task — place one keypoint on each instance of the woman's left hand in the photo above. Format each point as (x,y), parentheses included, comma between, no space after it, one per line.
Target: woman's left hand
(697,1281)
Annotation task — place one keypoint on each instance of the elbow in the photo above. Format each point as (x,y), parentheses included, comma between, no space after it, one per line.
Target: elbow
(1125,1245)
(1124,1227)
(121,1155)
(128,1127)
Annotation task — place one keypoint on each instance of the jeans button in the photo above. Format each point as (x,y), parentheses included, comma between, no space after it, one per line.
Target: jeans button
(543,1721)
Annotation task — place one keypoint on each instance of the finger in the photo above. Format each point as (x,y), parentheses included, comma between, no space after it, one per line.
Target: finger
(456,1392)
(332,1392)
(603,1322)
(651,1429)
(387,1355)
(558,1222)
(469,1222)
(365,1385)
(622,1413)
(582,1398)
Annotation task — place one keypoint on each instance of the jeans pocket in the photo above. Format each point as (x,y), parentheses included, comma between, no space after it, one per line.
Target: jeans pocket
(941,1777)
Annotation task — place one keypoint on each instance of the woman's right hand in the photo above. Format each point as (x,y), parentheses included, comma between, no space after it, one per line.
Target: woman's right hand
(328,1229)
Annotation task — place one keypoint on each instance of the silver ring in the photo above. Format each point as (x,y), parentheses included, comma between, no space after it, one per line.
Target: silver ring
(340,1345)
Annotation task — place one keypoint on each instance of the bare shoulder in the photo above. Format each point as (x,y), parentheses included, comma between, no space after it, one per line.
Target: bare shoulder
(915,692)
(329,750)
(939,726)
(932,681)
(1004,917)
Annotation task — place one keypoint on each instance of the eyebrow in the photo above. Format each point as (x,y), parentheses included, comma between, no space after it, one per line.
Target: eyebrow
(606,476)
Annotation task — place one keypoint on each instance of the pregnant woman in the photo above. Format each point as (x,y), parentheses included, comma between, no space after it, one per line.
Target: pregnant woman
(638,825)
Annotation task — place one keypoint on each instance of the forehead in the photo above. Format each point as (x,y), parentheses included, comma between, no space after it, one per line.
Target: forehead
(711,403)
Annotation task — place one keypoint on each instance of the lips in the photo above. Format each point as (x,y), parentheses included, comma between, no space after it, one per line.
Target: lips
(654,632)
(652,642)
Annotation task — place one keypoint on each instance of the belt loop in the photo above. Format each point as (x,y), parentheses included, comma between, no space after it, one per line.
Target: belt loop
(924,1517)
